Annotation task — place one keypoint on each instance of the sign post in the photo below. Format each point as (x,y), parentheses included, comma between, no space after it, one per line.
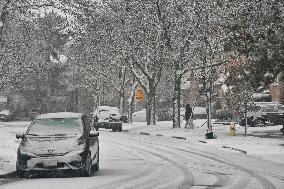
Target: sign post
(139,94)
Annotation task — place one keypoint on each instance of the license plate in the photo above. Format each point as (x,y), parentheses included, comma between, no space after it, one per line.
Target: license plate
(49,163)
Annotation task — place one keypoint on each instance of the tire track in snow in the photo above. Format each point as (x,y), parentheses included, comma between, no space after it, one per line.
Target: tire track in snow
(187,180)
(133,178)
(265,183)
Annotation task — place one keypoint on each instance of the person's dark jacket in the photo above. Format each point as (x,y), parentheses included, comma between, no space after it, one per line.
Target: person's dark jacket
(188,113)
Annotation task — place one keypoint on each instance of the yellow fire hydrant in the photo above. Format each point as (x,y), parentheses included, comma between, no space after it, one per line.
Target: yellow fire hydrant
(232,129)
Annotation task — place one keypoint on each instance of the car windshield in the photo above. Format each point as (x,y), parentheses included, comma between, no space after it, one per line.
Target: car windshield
(56,126)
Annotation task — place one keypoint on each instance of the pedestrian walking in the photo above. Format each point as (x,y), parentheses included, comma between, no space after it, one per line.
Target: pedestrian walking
(188,117)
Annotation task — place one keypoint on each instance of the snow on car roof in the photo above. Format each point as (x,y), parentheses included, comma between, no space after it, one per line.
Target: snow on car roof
(113,107)
(60,115)
(5,112)
(103,107)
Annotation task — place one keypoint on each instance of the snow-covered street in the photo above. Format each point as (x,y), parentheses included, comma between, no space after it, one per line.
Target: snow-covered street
(133,160)
(157,94)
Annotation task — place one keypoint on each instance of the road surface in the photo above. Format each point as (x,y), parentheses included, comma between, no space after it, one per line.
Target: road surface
(137,161)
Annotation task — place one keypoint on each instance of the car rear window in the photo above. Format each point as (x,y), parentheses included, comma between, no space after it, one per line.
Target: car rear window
(56,126)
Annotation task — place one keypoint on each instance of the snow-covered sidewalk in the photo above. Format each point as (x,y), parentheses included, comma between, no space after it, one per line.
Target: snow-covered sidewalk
(271,149)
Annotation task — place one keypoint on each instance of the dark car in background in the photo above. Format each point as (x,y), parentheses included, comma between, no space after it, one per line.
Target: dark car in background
(263,114)
(58,142)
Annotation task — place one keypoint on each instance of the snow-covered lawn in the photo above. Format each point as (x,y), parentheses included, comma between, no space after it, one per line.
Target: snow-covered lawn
(271,149)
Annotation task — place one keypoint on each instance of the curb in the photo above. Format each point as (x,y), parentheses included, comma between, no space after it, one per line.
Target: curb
(8,175)
(177,137)
(144,133)
(202,141)
(235,149)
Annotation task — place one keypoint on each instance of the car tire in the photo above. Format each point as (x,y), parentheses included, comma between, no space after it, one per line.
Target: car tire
(120,127)
(96,166)
(87,168)
(20,173)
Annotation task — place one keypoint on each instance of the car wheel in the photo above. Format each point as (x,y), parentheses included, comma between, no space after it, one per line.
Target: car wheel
(258,123)
(20,173)
(87,169)
(120,127)
(97,165)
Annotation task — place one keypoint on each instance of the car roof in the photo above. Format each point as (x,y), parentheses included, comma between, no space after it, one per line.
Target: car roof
(104,107)
(113,107)
(60,115)
(5,112)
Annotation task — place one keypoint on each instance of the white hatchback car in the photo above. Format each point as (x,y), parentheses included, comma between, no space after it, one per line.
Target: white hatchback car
(59,141)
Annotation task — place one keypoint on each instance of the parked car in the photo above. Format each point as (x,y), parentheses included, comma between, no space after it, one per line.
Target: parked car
(108,117)
(7,115)
(263,114)
(59,141)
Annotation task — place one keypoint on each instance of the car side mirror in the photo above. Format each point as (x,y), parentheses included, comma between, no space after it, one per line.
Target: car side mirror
(20,135)
(94,133)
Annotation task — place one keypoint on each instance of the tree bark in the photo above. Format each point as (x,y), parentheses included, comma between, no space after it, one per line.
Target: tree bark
(176,102)
(121,92)
(154,110)
(149,108)
(246,117)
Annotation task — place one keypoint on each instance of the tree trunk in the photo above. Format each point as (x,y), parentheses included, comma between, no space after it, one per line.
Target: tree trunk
(131,101)
(149,108)
(130,110)
(154,110)
(246,117)
(121,92)
(98,93)
(176,102)
(209,114)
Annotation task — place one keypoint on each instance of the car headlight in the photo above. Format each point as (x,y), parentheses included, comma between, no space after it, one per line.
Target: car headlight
(76,152)
(27,154)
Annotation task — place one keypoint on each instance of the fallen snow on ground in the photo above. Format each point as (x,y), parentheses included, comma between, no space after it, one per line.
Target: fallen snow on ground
(271,149)
(9,144)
